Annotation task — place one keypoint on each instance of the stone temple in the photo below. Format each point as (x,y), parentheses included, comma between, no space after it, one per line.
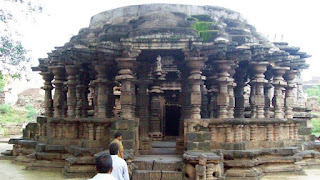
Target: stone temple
(195,90)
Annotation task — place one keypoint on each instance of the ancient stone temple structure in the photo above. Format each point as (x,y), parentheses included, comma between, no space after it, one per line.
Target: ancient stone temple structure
(161,73)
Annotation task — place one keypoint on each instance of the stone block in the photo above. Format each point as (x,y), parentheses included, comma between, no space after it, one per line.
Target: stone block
(41,119)
(81,168)
(14,140)
(198,136)
(81,160)
(171,175)
(59,148)
(40,147)
(128,144)
(27,143)
(47,156)
(123,125)
(146,175)
(244,172)
(167,165)
(204,146)
(126,134)
(192,146)
(304,131)
(273,168)
(143,165)
(241,163)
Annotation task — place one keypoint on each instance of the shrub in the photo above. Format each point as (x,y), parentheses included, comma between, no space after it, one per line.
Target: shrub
(5,109)
(31,112)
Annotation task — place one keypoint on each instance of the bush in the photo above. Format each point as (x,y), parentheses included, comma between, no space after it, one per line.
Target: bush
(5,109)
(31,112)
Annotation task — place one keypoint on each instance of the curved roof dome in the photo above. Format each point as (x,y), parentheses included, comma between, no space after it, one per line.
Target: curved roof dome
(167,21)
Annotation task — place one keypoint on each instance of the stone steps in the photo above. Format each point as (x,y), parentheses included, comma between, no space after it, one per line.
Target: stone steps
(157,167)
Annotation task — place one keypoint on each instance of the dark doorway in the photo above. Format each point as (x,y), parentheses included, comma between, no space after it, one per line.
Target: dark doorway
(172,120)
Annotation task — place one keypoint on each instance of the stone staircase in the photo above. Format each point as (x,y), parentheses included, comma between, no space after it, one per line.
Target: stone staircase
(163,162)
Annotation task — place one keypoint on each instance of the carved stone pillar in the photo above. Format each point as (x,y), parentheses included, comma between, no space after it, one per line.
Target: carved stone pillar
(99,132)
(82,93)
(204,101)
(237,133)
(223,96)
(213,133)
(289,97)
(126,78)
(209,172)
(231,87)
(238,92)
(48,102)
(253,132)
(258,83)
(91,131)
(58,98)
(267,94)
(279,84)
(276,132)
(291,131)
(295,131)
(195,64)
(155,107)
(143,113)
(269,132)
(228,133)
(72,93)
(102,95)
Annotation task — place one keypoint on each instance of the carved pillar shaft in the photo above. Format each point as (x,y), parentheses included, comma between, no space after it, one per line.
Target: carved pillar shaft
(101,83)
(58,99)
(228,133)
(295,131)
(278,83)
(253,132)
(289,97)
(277,132)
(127,98)
(143,109)
(223,96)
(195,64)
(231,87)
(48,102)
(238,92)
(90,131)
(269,132)
(99,131)
(237,133)
(72,94)
(213,133)
(258,83)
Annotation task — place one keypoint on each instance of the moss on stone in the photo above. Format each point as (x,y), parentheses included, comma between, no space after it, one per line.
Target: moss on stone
(203,17)
(208,35)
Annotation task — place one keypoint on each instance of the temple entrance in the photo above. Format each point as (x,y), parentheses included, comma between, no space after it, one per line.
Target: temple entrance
(172,117)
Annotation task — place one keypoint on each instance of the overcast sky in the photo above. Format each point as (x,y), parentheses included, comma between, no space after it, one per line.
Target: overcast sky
(296,21)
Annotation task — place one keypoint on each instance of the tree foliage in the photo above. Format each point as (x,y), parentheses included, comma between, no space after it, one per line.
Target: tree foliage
(314,92)
(13,55)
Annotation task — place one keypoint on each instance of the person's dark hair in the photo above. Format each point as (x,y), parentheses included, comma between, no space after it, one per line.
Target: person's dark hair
(103,163)
(113,148)
(118,134)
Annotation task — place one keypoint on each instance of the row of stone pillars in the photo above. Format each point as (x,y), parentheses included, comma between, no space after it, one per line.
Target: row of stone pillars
(227,94)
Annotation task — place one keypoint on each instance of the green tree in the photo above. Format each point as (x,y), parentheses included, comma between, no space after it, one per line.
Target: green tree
(13,55)
(314,92)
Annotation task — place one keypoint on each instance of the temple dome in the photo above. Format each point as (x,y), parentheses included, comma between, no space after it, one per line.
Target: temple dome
(169,21)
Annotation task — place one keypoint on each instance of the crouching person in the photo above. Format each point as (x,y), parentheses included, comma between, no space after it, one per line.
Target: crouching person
(120,168)
(103,167)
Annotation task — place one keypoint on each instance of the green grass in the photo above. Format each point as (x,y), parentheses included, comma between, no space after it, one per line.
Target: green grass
(316,124)
(12,115)
(205,27)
